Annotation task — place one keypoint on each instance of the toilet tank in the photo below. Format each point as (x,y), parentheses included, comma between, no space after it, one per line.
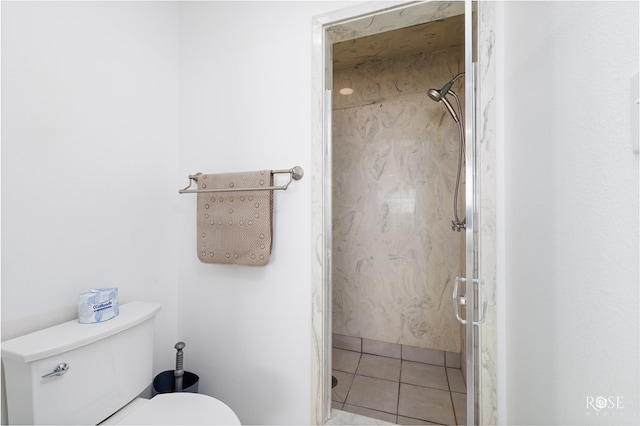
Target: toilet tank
(109,364)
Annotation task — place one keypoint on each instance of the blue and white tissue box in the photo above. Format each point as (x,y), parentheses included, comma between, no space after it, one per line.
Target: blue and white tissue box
(97,305)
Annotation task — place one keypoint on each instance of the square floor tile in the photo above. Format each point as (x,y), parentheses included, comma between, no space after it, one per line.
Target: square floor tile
(407,421)
(377,394)
(380,367)
(341,390)
(346,361)
(460,407)
(428,404)
(432,376)
(456,381)
(374,414)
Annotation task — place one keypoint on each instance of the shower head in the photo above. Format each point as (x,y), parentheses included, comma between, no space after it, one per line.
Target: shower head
(434,94)
(440,95)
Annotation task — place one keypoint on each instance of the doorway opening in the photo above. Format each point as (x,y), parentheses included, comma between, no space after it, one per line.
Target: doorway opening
(396,346)
(377,76)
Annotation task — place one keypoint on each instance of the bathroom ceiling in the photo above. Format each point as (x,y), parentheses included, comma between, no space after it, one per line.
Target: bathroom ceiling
(427,37)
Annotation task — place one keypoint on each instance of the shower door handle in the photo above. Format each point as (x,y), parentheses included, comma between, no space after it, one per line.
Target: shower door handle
(455,299)
(478,282)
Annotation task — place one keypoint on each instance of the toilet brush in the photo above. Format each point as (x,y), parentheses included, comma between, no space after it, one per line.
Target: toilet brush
(179,371)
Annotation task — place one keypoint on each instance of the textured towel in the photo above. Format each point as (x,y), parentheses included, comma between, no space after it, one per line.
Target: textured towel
(235,227)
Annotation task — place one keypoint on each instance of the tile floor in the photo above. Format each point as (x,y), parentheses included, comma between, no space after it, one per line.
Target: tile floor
(398,384)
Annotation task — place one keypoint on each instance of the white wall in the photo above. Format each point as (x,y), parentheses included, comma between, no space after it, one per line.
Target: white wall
(245,104)
(90,152)
(89,167)
(571,210)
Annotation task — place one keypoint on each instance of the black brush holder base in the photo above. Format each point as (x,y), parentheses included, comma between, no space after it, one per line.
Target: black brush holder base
(165,382)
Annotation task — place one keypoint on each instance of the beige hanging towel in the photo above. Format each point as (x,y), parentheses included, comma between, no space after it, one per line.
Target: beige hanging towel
(235,227)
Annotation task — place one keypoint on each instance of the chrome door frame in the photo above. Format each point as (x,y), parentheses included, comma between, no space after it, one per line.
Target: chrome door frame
(472,235)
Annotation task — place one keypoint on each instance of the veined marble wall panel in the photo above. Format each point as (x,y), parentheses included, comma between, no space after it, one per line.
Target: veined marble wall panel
(395,154)
(488,389)
(375,81)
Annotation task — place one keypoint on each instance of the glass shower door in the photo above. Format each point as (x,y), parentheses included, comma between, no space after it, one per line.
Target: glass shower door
(476,304)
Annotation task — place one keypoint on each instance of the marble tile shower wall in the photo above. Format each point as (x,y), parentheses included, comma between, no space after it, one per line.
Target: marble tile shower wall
(395,152)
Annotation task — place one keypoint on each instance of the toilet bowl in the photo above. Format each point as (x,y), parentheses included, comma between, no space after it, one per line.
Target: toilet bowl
(181,408)
(76,373)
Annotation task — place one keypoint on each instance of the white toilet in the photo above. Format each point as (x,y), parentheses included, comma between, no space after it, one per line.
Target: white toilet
(76,373)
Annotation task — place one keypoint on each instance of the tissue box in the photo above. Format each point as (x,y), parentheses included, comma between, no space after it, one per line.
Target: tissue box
(97,305)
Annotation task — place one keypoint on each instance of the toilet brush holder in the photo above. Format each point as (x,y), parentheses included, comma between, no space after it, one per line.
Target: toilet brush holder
(165,382)
(176,380)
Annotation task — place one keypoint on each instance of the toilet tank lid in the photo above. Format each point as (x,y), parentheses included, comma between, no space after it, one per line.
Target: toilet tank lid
(72,334)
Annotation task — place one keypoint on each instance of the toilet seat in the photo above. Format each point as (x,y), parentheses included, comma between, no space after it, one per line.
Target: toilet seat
(181,408)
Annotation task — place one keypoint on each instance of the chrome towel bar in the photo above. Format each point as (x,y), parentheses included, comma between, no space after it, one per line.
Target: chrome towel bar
(295,173)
